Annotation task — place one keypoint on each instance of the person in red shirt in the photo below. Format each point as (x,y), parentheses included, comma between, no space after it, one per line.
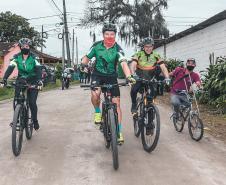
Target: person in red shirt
(183,79)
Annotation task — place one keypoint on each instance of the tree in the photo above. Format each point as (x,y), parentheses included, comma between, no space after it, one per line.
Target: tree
(136,19)
(14,27)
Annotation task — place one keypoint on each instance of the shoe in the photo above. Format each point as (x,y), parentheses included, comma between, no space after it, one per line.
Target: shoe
(149,130)
(134,108)
(120,138)
(97,118)
(36,125)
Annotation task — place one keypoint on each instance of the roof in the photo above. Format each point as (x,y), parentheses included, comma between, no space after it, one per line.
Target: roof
(44,55)
(5,47)
(215,19)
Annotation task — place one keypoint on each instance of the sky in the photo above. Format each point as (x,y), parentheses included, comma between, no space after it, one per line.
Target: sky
(180,15)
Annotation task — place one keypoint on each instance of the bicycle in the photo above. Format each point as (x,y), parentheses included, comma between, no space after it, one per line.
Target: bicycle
(21,116)
(146,120)
(187,113)
(109,124)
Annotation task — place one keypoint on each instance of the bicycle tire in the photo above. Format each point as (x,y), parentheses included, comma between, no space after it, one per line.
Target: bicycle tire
(106,134)
(149,148)
(136,126)
(28,124)
(199,124)
(62,85)
(114,144)
(17,119)
(179,123)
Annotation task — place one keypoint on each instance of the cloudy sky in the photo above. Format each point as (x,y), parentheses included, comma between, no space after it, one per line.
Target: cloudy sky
(180,15)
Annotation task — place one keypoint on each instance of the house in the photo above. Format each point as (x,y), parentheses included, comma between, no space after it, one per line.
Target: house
(205,41)
(8,50)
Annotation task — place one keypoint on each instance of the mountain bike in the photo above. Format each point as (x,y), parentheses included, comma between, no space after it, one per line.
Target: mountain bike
(109,124)
(147,119)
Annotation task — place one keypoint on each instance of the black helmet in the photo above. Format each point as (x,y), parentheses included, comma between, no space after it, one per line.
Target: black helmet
(25,41)
(148,40)
(109,27)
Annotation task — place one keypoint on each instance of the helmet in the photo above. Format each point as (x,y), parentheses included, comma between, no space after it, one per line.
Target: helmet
(191,62)
(109,27)
(25,41)
(148,40)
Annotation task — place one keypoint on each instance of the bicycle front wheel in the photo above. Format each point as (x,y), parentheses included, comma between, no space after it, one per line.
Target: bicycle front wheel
(28,124)
(179,122)
(136,119)
(17,129)
(114,144)
(195,127)
(150,130)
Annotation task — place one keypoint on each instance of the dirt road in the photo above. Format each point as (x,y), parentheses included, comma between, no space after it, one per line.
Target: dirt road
(69,150)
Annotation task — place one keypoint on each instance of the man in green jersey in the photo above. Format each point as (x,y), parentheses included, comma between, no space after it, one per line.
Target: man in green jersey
(30,70)
(145,64)
(108,54)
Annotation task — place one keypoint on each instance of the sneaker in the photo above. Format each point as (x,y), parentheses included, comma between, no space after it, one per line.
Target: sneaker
(134,108)
(36,125)
(149,130)
(97,118)
(120,138)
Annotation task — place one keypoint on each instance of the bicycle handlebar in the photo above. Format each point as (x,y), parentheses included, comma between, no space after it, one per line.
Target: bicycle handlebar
(108,86)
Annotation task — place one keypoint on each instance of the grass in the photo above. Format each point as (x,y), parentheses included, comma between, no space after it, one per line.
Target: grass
(7,93)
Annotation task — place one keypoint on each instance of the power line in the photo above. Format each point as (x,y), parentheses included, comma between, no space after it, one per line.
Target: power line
(43,17)
(56,6)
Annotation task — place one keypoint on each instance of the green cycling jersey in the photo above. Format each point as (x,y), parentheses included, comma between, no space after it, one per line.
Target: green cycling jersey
(29,68)
(106,59)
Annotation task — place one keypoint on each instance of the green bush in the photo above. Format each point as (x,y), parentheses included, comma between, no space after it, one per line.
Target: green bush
(214,84)
(59,69)
(171,64)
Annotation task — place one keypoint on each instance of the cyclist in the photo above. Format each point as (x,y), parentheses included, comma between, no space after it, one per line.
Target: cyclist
(108,54)
(183,80)
(145,64)
(28,68)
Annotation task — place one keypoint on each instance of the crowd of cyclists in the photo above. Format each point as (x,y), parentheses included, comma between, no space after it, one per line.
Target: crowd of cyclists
(145,63)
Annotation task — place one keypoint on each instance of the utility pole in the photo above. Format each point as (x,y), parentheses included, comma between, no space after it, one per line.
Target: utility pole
(77,51)
(66,35)
(63,51)
(73,47)
(42,40)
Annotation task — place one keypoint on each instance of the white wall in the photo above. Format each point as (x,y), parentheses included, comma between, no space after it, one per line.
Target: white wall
(199,45)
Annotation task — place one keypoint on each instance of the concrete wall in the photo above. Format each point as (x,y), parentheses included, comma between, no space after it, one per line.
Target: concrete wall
(199,45)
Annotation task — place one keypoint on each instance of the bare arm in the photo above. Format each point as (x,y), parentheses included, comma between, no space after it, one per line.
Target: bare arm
(85,60)
(125,68)
(133,66)
(164,70)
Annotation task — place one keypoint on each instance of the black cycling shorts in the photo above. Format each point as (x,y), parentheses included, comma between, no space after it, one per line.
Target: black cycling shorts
(100,80)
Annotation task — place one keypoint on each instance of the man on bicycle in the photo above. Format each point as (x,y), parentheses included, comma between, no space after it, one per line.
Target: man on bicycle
(108,54)
(145,64)
(28,68)
(183,80)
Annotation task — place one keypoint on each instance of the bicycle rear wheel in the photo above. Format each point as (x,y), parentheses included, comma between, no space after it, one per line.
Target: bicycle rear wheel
(150,130)
(179,122)
(28,124)
(114,144)
(17,129)
(62,84)
(195,127)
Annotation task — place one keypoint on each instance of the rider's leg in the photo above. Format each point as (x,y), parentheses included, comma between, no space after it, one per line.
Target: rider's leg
(95,99)
(32,95)
(175,101)
(116,100)
(133,93)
